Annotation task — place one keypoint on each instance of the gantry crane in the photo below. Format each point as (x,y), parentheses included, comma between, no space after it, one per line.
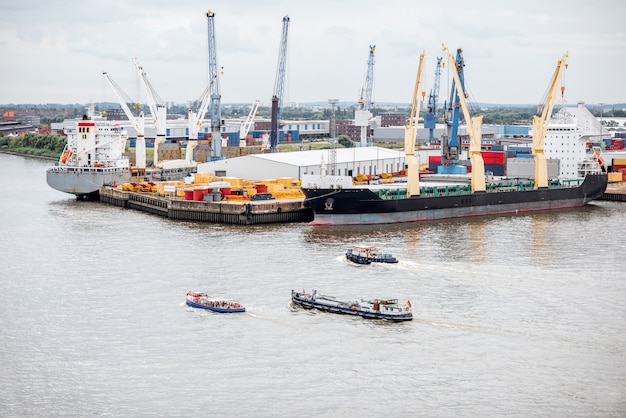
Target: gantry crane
(279,85)
(410,131)
(214,85)
(158,110)
(540,126)
(137,121)
(473,125)
(432,117)
(450,146)
(362,114)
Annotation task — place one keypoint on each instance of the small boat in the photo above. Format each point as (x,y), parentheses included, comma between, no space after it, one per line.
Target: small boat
(203,301)
(385,308)
(368,254)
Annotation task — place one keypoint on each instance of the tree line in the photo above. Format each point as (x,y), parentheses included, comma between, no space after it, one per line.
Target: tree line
(45,145)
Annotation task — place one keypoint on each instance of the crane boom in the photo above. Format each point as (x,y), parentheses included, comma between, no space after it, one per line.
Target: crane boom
(157,109)
(362,114)
(214,85)
(431,118)
(410,131)
(138,122)
(245,126)
(540,126)
(279,85)
(473,125)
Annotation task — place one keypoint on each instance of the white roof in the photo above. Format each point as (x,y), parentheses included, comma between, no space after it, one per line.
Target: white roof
(344,155)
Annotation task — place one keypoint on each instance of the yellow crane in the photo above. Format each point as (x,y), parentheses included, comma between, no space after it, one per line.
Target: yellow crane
(540,126)
(473,129)
(410,130)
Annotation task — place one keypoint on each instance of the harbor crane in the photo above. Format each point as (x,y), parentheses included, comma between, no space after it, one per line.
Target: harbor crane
(473,124)
(158,110)
(279,85)
(362,114)
(214,85)
(410,132)
(432,117)
(540,126)
(244,128)
(450,146)
(195,122)
(137,121)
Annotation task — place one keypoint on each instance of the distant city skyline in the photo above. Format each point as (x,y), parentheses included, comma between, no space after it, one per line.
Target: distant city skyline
(55,52)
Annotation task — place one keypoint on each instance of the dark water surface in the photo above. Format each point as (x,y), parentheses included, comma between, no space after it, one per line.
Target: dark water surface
(513,316)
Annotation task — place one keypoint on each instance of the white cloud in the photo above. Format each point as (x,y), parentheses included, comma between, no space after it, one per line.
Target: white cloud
(56,51)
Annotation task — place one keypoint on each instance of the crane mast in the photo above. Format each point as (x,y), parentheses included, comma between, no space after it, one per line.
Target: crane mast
(410,131)
(138,122)
(279,84)
(473,125)
(158,110)
(540,126)
(214,86)
(431,118)
(362,114)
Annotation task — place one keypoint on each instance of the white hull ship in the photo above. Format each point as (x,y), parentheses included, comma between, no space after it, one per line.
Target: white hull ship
(92,158)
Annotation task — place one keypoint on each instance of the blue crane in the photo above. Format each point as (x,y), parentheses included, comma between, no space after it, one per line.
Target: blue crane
(431,118)
(450,146)
(214,86)
(279,85)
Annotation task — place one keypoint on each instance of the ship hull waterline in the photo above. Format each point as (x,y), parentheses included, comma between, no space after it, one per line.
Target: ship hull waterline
(361,206)
(80,182)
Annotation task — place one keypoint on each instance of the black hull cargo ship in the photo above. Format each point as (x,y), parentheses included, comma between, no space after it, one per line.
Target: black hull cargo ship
(337,205)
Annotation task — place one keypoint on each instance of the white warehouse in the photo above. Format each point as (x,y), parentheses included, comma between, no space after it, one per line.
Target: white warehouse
(349,162)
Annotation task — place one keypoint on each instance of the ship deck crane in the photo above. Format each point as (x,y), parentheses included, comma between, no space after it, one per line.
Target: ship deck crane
(473,125)
(158,110)
(245,125)
(214,86)
(279,85)
(137,121)
(410,131)
(540,126)
(362,114)
(450,146)
(431,118)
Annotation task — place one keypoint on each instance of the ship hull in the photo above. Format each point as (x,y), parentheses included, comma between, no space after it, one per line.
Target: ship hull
(84,181)
(362,206)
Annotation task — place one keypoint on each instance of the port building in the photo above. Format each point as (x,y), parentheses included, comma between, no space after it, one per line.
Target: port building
(347,162)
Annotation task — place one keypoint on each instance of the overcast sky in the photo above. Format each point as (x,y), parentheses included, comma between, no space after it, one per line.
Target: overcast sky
(56,51)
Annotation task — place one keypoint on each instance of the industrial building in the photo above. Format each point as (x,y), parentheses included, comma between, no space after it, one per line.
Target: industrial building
(348,162)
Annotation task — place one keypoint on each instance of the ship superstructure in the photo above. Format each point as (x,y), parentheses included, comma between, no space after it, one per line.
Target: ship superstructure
(92,158)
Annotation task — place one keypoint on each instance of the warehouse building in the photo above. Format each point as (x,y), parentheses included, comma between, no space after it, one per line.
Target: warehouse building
(349,162)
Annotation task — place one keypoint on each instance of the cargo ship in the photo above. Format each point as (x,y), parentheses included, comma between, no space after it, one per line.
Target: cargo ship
(92,158)
(356,205)
(334,200)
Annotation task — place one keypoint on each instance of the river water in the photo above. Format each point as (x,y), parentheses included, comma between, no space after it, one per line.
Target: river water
(513,316)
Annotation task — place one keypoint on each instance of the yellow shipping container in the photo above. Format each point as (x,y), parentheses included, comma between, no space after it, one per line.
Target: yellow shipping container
(234,181)
(619,161)
(285,181)
(615,177)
